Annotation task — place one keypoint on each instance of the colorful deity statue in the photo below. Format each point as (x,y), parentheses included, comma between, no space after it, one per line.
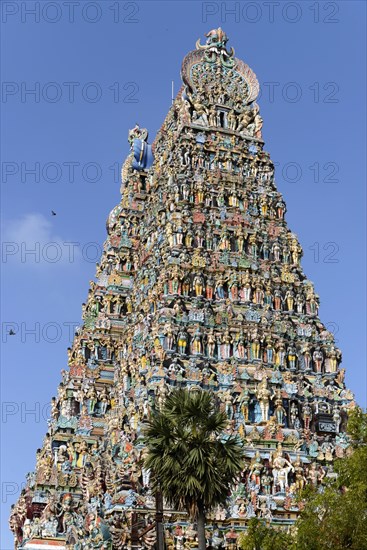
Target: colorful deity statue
(281,468)
(263,395)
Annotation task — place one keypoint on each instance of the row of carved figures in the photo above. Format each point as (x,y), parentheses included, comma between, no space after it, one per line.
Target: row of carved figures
(254,403)
(221,288)
(224,346)
(233,195)
(196,157)
(134,227)
(215,290)
(198,113)
(179,235)
(198,193)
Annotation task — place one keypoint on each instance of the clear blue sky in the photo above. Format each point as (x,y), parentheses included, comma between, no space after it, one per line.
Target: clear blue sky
(94,81)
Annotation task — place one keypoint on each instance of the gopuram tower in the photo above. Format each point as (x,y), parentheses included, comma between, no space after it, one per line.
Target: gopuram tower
(200,285)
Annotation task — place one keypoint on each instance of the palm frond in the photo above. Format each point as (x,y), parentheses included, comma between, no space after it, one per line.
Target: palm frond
(190,457)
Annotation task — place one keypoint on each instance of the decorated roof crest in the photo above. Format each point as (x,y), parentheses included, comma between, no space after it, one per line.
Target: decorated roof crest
(215,48)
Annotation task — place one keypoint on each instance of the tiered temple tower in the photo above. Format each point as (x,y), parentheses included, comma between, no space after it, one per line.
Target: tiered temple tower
(199,286)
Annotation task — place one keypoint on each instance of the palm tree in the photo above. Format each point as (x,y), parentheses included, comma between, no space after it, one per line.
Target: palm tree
(192,461)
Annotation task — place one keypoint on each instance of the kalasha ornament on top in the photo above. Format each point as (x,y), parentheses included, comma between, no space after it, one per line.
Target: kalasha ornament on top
(215,48)
(200,285)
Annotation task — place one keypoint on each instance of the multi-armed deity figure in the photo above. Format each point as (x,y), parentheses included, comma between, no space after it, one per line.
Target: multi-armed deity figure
(199,286)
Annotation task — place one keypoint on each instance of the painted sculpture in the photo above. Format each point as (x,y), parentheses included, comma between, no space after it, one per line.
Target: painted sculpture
(200,285)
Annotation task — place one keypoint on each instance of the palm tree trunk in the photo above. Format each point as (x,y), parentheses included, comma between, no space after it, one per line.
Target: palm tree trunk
(201,528)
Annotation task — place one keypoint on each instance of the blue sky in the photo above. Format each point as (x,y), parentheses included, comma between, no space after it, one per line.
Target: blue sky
(98,70)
